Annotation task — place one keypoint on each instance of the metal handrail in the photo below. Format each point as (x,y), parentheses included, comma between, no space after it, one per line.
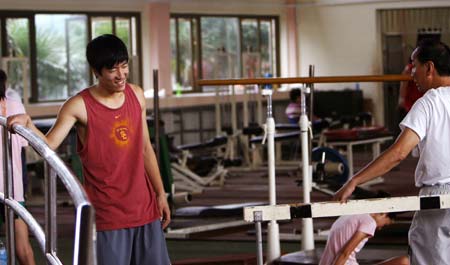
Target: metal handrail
(84,241)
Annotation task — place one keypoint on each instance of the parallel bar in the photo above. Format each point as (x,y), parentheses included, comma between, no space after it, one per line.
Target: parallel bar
(329,209)
(8,188)
(84,242)
(306,80)
(50,211)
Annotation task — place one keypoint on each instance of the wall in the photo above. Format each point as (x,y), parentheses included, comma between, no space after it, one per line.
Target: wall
(343,38)
(339,37)
(250,7)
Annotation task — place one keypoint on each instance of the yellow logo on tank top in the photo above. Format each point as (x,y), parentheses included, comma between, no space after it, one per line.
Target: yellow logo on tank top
(120,133)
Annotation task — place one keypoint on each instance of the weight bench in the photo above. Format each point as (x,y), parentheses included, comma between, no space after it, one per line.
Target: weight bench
(233,213)
(278,138)
(348,138)
(186,179)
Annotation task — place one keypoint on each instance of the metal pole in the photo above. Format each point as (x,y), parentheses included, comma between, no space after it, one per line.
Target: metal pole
(8,186)
(259,246)
(218,112)
(50,211)
(232,138)
(307,224)
(311,95)
(259,106)
(156,112)
(245,114)
(273,235)
(84,241)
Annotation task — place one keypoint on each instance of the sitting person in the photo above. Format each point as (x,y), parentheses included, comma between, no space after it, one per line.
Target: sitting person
(348,235)
(293,109)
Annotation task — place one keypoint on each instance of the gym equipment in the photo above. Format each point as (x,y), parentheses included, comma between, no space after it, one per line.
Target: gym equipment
(357,133)
(186,179)
(215,210)
(216,213)
(258,214)
(337,171)
(307,229)
(333,208)
(348,142)
(84,238)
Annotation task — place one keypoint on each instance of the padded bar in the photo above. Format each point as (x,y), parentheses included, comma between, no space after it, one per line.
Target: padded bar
(330,209)
(214,142)
(277,137)
(305,80)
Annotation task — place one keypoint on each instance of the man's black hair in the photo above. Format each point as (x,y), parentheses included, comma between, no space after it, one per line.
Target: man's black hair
(392,215)
(384,194)
(3,79)
(294,94)
(437,52)
(105,51)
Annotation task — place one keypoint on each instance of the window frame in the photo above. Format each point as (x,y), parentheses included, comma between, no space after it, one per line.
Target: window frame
(31,15)
(240,18)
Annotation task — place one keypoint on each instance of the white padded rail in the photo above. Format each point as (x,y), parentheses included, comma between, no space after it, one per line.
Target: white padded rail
(267,213)
(329,209)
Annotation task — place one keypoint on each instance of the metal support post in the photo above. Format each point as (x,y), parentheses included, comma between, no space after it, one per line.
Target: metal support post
(259,246)
(307,223)
(273,234)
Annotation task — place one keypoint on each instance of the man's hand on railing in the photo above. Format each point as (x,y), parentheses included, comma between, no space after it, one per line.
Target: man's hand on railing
(21,119)
(164,210)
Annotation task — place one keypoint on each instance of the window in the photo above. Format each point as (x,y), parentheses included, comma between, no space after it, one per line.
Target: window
(60,47)
(17,45)
(101,25)
(54,45)
(218,47)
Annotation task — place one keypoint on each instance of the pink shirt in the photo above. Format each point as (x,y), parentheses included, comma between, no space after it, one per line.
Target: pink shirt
(14,107)
(342,231)
(293,110)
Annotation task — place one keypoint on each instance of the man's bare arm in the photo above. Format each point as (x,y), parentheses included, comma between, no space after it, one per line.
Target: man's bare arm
(71,111)
(397,152)
(151,163)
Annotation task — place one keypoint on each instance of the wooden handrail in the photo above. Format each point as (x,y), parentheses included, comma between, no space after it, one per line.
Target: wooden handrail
(305,80)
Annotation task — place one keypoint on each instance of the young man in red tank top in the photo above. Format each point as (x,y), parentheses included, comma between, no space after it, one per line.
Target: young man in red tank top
(121,174)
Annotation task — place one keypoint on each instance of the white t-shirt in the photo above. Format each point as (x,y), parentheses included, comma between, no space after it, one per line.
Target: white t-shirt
(429,118)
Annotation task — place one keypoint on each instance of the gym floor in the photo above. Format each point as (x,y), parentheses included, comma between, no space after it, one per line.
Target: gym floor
(243,187)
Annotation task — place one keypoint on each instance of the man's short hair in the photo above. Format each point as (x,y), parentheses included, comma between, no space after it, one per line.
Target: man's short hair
(437,52)
(105,51)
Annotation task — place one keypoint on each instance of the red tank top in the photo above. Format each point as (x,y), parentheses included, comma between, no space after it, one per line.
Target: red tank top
(113,164)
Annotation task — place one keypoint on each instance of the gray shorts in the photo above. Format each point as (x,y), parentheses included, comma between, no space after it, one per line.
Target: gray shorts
(429,235)
(133,246)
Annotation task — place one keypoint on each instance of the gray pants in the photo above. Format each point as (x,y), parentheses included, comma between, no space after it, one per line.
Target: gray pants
(429,235)
(144,245)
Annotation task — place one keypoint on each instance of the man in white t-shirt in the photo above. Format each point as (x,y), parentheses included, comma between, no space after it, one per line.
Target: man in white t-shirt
(427,126)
